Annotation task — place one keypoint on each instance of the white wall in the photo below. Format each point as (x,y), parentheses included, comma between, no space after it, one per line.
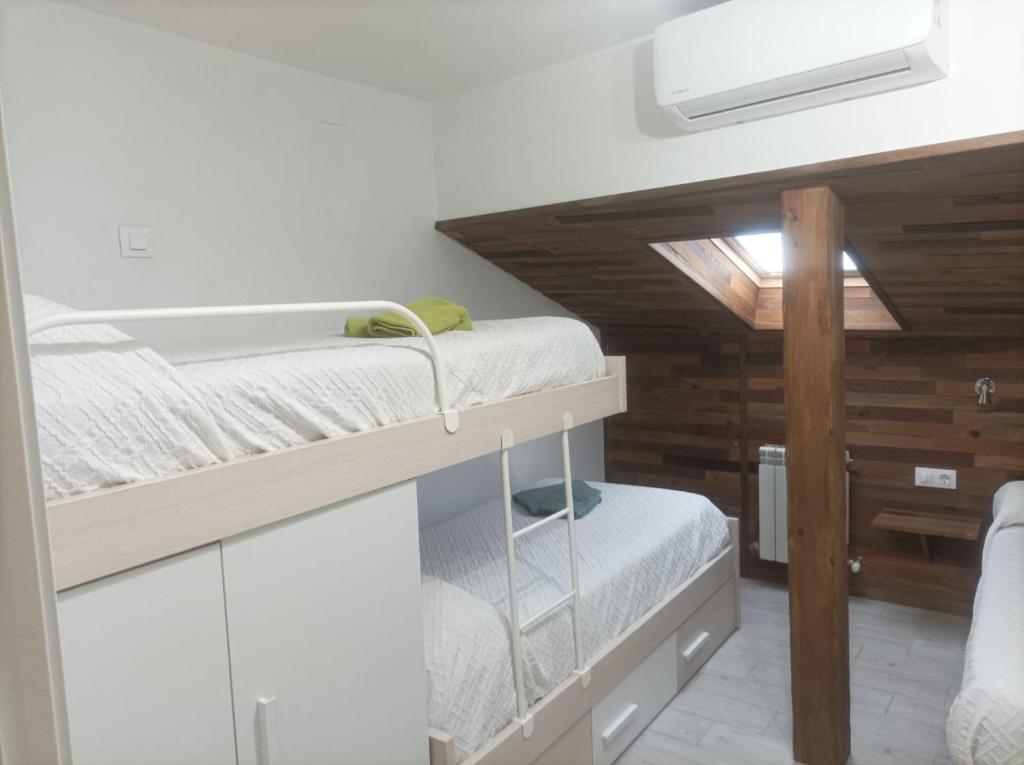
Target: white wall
(260,182)
(590,126)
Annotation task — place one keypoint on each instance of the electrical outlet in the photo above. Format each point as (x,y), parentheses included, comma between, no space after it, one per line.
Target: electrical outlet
(935,478)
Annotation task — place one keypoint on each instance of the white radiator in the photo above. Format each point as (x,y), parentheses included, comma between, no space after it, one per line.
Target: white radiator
(773,540)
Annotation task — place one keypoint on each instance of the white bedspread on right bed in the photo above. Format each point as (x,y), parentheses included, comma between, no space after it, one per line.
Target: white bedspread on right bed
(634,548)
(986,721)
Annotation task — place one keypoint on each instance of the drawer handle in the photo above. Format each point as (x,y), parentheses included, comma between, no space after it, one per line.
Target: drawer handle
(619,724)
(694,648)
(266,731)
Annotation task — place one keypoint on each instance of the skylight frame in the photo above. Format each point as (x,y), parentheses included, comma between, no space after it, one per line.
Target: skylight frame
(717,266)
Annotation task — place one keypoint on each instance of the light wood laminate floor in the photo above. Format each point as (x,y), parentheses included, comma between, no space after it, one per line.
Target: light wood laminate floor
(905,668)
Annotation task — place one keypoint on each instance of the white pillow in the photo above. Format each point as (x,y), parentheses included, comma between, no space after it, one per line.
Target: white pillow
(470,687)
(1008,503)
(37,307)
(111,410)
(1007,510)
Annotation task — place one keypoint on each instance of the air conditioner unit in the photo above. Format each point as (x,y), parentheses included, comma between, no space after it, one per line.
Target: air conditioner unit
(747,59)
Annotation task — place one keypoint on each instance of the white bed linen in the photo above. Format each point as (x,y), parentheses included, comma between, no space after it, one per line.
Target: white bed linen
(270,398)
(986,721)
(109,410)
(113,411)
(634,548)
(1007,511)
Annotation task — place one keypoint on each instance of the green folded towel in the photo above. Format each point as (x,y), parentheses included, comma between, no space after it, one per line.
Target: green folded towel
(357,326)
(438,314)
(547,500)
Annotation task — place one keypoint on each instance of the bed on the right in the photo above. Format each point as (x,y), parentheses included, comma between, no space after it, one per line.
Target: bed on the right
(986,721)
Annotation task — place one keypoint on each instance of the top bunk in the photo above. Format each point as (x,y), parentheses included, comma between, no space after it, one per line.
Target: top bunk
(146,455)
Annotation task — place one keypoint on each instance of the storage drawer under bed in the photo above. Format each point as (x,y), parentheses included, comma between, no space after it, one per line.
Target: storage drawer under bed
(706,629)
(621,716)
(616,718)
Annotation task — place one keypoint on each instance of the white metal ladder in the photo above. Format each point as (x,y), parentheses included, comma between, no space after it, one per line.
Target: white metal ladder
(571,598)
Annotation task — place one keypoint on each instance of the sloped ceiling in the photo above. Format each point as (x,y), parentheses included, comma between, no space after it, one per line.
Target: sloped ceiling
(939,231)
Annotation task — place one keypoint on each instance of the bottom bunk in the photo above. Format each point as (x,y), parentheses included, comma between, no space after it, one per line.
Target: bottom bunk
(658,594)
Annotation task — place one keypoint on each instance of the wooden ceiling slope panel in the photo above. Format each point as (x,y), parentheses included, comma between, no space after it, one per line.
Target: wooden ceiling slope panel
(606,275)
(961,284)
(939,230)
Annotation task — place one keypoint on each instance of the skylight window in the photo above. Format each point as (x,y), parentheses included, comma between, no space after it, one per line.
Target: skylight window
(744,274)
(765,253)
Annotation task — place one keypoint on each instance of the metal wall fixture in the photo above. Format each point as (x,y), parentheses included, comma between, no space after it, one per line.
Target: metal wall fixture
(986,390)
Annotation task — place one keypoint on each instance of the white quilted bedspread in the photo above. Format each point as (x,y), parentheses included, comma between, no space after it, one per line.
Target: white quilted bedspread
(112,411)
(634,548)
(986,722)
(270,398)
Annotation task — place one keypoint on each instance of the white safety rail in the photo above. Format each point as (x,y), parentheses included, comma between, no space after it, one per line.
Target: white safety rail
(451,416)
(571,598)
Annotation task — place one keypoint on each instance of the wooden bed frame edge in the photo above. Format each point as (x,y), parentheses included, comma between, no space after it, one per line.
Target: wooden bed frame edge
(442,748)
(105,532)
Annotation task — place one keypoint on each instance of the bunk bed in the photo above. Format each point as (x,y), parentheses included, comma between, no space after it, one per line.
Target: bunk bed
(986,719)
(261,430)
(272,490)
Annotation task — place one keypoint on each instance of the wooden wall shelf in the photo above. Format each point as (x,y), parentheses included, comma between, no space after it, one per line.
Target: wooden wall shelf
(927,525)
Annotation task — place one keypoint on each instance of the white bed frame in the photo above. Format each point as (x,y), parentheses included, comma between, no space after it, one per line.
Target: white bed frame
(97,535)
(104,532)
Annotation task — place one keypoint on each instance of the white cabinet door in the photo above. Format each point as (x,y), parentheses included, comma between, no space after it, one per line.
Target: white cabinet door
(324,618)
(146,665)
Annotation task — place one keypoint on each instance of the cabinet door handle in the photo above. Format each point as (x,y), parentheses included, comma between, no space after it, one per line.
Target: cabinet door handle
(694,648)
(619,724)
(266,731)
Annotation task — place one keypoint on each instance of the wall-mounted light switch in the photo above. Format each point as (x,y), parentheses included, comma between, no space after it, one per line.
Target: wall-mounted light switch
(135,242)
(935,478)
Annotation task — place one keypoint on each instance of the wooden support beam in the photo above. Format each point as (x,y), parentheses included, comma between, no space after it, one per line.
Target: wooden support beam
(814,357)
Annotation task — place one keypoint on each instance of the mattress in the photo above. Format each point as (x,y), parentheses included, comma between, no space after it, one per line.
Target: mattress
(634,548)
(112,411)
(274,397)
(986,721)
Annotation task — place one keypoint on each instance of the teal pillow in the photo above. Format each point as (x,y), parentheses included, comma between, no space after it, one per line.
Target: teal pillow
(547,500)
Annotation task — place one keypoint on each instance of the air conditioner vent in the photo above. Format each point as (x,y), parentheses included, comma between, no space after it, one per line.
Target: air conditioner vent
(748,59)
(805,83)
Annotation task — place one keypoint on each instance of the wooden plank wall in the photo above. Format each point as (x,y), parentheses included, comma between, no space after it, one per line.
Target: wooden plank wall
(682,430)
(938,232)
(910,401)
